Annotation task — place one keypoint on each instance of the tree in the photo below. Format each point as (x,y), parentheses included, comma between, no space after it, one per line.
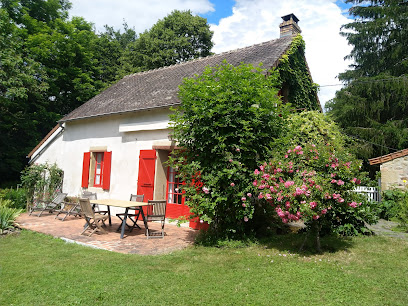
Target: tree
(23,84)
(178,37)
(373,105)
(226,122)
(109,50)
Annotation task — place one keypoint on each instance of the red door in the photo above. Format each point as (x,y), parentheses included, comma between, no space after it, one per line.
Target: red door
(175,199)
(145,182)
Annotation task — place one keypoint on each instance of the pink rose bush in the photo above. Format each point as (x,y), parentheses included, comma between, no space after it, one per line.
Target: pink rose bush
(307,183)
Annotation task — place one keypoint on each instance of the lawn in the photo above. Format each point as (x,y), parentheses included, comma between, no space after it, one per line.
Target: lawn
(40,270)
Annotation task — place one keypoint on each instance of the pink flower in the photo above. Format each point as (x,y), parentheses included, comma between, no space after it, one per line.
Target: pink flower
(324,211)
(201,221)
(284,220)
(243,199)
(287,204)
(298,148)
(315,217)
(262,168)
(279,170)
(286,156)
(243,205)
(256,172)
(340,200)
(237,149)
(246,219)
(340,182)
(333,181)
(255,183)
(206,190)
(230,160)
(313,205)
(232,184)
(289,183)
(353,204)
(336,195)
(333,174)
(249,195)
(289,151)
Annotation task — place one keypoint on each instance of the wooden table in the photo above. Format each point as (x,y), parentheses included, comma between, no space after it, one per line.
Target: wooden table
(123,204)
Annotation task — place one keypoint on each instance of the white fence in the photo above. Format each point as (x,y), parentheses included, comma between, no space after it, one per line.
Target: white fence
(372,193)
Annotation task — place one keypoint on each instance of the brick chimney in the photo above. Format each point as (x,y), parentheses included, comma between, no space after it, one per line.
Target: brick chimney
(289,25)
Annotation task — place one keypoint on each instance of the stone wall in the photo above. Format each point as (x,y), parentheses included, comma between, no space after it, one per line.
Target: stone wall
(394,172)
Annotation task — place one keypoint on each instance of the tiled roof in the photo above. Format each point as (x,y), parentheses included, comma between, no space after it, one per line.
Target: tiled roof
(158,88)
(388,157)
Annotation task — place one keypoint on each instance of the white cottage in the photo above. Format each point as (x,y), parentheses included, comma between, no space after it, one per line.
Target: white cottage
(118,142)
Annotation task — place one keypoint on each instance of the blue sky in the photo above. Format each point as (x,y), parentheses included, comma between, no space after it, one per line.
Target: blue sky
(241,23)
(223,8)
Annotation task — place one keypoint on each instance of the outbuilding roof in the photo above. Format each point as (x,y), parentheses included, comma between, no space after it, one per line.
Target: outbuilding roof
(388,157)
(158,88)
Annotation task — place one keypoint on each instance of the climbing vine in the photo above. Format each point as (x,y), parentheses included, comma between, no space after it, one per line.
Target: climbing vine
(295,76)
(42,181)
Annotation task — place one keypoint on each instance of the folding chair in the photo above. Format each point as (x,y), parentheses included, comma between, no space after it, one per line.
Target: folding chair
(51,206)
(93,220)
(68,209)
(156,211)
(132,217)
(92,196)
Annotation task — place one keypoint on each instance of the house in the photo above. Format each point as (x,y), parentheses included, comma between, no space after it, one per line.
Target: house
(118,142)
(394,169)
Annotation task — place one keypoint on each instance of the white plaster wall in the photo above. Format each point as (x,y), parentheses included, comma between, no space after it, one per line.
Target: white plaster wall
(50,154)
(79,136)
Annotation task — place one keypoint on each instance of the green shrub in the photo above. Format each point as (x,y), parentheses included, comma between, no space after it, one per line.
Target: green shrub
(389,205)
(226,122)
(17,196)
(313,184)
(8,215)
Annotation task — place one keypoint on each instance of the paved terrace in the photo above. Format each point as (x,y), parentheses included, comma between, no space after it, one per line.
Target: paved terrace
(135,242)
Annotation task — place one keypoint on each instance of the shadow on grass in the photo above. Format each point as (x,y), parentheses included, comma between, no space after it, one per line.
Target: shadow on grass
(289,242)
(293,242)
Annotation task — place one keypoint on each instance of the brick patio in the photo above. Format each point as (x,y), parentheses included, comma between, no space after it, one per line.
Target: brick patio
(135,242)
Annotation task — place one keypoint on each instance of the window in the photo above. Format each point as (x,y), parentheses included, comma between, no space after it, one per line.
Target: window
(96,169)
(98,174)
(174,188)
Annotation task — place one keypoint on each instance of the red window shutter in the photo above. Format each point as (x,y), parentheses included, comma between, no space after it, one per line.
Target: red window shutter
(107,159)
(85,169)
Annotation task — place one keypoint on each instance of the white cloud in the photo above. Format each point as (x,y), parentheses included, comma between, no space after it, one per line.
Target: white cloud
(255,21)
(139,14)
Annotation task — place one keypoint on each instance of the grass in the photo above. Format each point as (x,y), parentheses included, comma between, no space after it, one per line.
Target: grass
(36,269)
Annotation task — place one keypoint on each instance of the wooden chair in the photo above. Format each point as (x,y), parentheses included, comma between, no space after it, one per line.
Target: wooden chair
(92,196)
(51,206)
(135,216)
(93,220)
(69,208)
(156,211)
